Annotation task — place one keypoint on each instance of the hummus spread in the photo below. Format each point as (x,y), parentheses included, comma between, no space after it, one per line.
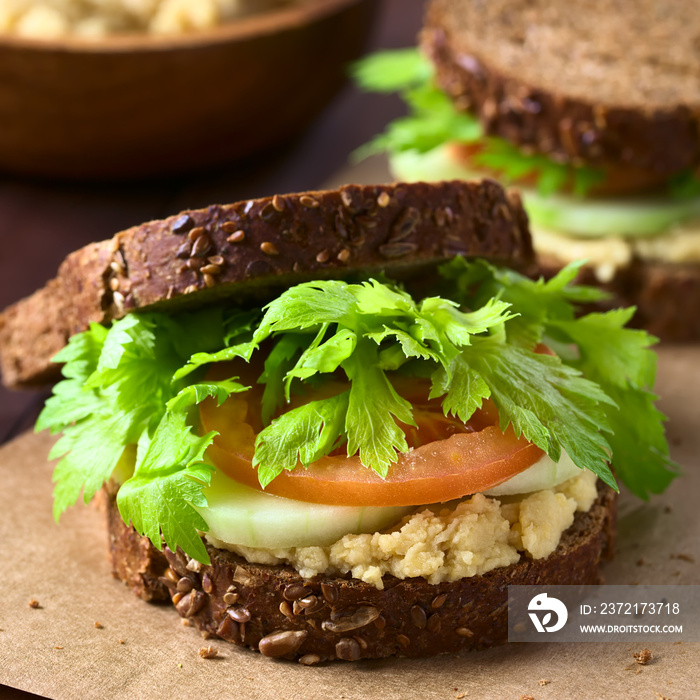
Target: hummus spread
(446,542)
(607,255)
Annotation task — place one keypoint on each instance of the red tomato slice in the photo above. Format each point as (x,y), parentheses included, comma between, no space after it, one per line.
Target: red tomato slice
(619,179)
(449,459)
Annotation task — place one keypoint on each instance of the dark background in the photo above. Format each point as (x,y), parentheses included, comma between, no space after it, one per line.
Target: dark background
(41,222)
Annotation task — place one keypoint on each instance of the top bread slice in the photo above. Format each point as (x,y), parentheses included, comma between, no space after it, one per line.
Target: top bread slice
(248,251)
(595,81)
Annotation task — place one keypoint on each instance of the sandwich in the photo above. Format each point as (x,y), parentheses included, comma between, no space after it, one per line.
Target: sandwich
(592,114)
(336,425)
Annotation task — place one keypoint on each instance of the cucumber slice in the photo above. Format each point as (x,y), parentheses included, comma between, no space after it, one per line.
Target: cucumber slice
(621,216)
(545,474)
(431,166)
(238,514)
(578,216)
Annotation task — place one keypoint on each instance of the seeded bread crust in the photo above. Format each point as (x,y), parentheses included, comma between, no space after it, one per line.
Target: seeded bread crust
(608,83)
(274,610)
(134,559)
(248,250)
(667,295)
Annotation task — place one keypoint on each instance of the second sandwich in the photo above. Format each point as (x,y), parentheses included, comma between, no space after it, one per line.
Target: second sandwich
(592,113)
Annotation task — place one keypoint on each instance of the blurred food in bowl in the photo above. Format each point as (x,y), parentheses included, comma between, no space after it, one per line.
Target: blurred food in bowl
(46,19)
(142,105)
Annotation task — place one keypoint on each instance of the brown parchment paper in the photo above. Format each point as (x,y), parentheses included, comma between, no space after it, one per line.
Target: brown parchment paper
(143,651)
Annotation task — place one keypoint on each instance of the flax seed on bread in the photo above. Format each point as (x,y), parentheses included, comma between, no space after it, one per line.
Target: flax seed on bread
(273,609)
(608,83)
(240,251)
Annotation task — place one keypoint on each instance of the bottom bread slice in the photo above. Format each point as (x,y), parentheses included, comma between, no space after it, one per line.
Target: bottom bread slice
(273,609)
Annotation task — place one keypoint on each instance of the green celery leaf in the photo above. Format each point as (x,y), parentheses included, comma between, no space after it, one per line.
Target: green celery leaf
(585,178)
(613,354)
(404,320)
(558,293)
(118,399)
(196,393)
(463,388)
(538,303)
(132,334)
(389,71)
(684,185)
(200,359)
(369,424)
(552,179)
(193,332)
(160,496)
(198,343)
(640,454)
(509,161)
(548,402)
(408,347)
(82,353)
(370,311)
(323,357)
(304,434)
(561,282)
(427,128)
(459,326)
(393,357)
(374,298)
(119,383)
(71,402)
(308,306)
(239,325)
(619,360)
(135,369)
(89,450)
(277,364)
(614,357)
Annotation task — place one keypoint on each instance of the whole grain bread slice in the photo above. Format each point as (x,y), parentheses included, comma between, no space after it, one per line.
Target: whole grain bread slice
(600,82)
(273,609)
(248,251)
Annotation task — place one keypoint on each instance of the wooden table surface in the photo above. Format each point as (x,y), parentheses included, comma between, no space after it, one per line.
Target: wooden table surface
(41,222)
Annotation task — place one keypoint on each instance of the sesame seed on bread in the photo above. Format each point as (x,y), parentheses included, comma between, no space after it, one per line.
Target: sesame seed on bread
(273,609)
(246,252)
(600,82)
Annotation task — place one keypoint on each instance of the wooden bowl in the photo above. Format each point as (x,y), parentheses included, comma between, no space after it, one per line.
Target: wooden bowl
(140,106)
